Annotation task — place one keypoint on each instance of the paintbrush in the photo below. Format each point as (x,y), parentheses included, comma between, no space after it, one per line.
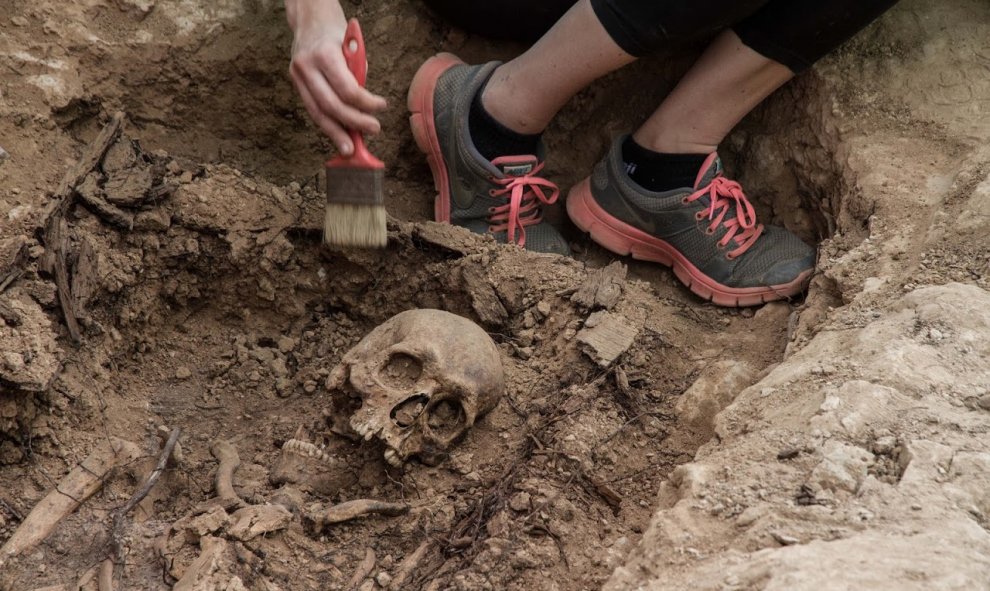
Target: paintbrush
(355,214)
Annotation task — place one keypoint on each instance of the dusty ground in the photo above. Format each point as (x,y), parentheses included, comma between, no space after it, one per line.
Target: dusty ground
(854,445)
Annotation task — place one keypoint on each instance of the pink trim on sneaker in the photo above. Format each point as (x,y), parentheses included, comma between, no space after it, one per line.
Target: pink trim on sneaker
(623,239)
(420,103)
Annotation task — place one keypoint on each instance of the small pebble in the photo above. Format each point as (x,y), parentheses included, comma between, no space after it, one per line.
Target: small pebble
(183,373)
(384,579)
(519,501)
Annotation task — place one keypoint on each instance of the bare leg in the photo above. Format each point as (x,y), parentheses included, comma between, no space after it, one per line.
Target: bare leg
(726,83)
(525,93)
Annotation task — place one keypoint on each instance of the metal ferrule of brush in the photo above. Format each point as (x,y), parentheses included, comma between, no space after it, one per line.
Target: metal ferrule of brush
(355,186)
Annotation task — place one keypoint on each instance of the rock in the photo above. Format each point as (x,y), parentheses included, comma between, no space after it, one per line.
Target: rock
(183,373)
(30,359)
(287,344)
(383,579)
(520,501)
(714,390)
(842,468)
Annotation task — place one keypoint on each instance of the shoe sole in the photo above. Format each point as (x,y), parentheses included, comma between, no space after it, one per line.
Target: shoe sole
(623,239)
(420,103)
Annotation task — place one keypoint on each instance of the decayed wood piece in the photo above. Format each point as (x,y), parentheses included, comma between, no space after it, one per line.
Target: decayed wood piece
(606,336)
(359,508)
(602,288)
(362,571)
(72,491)
(90,194)
(13,255)
(484,300)
(226,453)
(56,235)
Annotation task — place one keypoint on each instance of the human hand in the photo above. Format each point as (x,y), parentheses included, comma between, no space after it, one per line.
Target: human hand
(332,96)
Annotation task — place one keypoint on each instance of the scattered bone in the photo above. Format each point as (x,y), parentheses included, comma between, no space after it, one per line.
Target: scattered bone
(255,520)
(104,581)
(603,287)
(363,570)
(310,468)
(424,378)
(606,337)
(203,566)
(86,578)
(72,491)
(359,508)
(226,453)
(409,566)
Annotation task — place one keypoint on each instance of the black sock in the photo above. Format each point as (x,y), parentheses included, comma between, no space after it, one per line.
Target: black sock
(493,139)
(655,171)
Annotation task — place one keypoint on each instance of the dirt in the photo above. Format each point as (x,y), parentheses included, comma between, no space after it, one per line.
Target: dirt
(206,302)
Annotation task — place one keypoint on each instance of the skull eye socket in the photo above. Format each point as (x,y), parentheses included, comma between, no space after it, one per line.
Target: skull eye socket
(406,412)
(446,419)
(401,371)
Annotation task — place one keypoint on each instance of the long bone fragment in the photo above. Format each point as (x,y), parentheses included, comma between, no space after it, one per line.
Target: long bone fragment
(359,508)
(226,453)
(80,484)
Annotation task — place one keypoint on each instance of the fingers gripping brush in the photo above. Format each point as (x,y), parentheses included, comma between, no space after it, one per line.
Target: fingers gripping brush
(355,214)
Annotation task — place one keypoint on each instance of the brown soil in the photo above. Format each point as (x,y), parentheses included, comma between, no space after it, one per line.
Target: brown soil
(216,310)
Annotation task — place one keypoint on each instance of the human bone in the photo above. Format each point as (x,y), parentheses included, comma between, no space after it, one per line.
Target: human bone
(424,377)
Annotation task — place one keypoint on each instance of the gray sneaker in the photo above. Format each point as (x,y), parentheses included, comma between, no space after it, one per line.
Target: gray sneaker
(708,233)
(503,197)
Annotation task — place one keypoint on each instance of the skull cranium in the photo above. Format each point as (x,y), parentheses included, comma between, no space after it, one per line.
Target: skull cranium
(424,377)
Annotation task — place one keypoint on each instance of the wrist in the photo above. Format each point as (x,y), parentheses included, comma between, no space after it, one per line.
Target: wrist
(307,14)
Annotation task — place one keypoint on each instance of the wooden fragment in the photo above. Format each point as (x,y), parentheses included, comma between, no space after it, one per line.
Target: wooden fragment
(13,256)
(602,288)
(56,235)
(606,336)
(484,300)
(89,193)
(80,484)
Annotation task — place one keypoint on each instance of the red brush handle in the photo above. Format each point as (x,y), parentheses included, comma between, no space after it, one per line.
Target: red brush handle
(357,63)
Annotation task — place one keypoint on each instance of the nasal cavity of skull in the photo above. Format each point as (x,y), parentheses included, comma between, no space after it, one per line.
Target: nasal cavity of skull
(446,419)
(406,412)
(401,371)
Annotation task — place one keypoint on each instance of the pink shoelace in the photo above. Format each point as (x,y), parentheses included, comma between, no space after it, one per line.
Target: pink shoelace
(743,228)
(525,193)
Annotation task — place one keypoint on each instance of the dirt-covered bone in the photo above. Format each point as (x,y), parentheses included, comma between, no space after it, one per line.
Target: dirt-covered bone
(424,377)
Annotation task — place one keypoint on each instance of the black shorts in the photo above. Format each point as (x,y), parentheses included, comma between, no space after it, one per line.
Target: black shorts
(795,33)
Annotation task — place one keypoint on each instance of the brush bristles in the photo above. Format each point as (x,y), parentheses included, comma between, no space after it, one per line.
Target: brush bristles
(355,225)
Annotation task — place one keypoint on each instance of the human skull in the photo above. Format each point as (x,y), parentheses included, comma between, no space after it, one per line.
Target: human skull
(424,377)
